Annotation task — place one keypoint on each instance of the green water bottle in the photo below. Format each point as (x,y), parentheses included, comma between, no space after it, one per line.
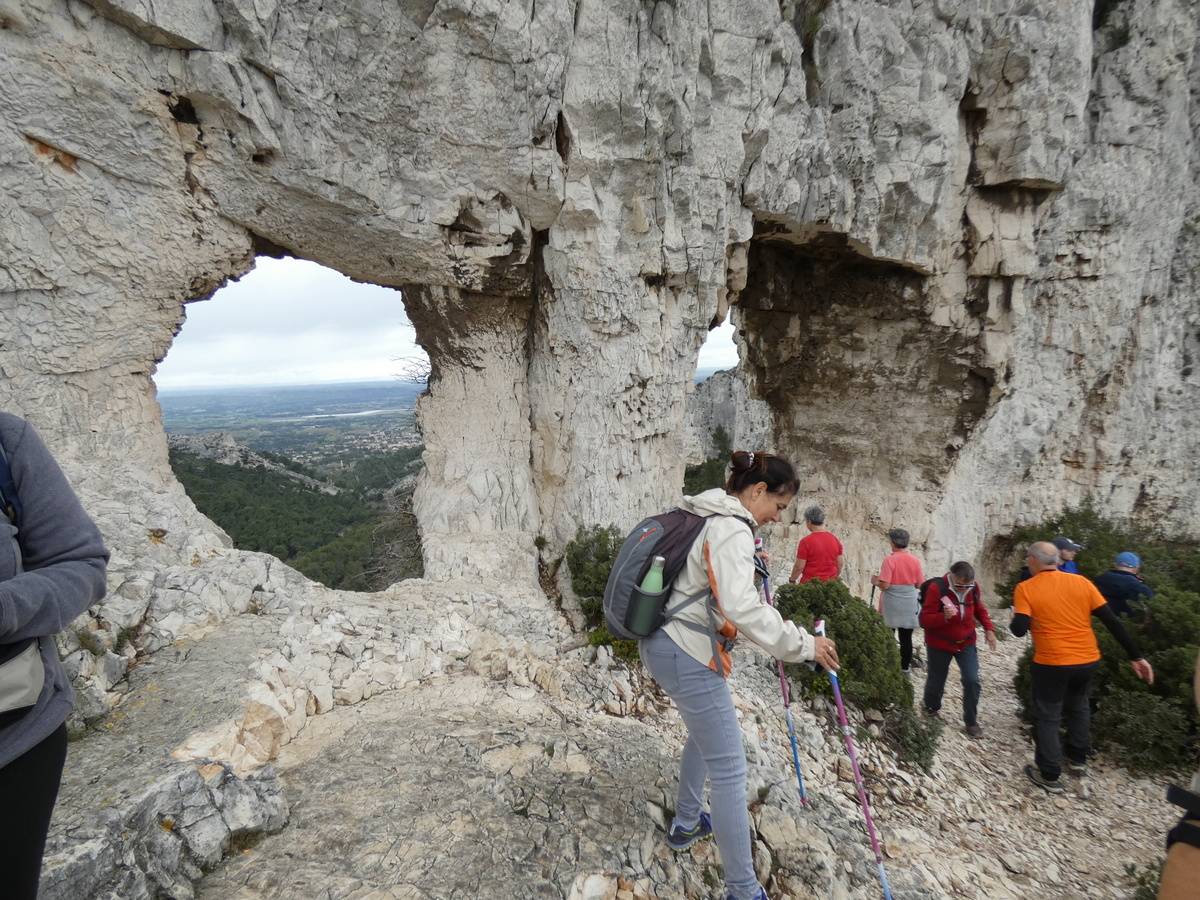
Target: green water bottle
(646,601)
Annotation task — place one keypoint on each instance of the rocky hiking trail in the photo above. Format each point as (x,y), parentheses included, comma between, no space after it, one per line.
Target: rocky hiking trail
(422,794)
(978,828)
(429,754)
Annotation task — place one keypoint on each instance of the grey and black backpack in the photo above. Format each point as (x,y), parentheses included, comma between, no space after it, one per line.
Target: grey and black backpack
(669,535)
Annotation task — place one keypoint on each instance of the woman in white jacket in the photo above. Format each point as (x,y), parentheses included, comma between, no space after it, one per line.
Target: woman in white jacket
(689,656)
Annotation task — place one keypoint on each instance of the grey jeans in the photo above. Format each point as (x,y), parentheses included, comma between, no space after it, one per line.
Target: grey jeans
(713,749)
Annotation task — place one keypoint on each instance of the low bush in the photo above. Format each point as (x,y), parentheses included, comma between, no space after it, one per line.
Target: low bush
(915,737)
(622,649)
(710,473)
(1147,732)
(1145,880)
(870,658)
(590,556)
(1167,563)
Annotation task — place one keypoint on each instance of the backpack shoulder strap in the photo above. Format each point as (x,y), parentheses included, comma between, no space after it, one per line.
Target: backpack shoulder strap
(10,503)
(941,585)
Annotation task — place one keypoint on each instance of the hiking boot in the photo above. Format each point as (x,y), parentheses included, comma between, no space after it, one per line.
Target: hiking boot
(931,713)
(1078,769)
(907,673)
(679,840)
(1051,785)
(973,731)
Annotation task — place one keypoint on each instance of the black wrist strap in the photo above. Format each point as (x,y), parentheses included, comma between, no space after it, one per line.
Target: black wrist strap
(1186,831)
(1189,801)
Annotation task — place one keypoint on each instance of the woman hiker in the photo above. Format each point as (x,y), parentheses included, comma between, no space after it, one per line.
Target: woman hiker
(691,663)
(898,580)
(52,566)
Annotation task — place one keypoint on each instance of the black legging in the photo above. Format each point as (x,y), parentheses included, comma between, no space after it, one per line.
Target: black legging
(905,635)
(29,786)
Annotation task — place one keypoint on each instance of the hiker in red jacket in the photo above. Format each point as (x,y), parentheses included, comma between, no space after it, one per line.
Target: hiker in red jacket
(950,608)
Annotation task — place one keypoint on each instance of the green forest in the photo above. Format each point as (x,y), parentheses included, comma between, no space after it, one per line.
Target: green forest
(363,538)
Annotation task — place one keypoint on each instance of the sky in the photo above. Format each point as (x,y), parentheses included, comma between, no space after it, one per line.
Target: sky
(291,321)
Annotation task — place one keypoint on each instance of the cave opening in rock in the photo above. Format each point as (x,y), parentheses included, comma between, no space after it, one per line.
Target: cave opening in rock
(873,374)
(289,397)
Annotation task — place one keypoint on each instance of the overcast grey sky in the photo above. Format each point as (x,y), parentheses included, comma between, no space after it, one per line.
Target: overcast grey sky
(291,321)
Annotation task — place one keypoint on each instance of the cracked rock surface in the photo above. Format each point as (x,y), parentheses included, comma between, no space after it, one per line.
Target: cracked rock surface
(960,241)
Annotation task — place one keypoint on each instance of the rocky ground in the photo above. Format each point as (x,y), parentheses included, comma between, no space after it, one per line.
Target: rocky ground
(409,745)
(980,829)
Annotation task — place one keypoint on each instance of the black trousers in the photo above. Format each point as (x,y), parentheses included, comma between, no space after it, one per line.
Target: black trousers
(906,650)
(1061,693)
(28,789)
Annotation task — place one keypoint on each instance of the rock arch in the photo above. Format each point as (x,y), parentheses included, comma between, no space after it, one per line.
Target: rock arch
(566,227)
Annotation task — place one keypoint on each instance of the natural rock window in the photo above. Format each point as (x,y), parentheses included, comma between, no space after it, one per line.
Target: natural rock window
(289,401)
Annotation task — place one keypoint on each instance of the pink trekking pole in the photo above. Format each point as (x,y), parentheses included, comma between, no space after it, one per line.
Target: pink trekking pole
(819,628)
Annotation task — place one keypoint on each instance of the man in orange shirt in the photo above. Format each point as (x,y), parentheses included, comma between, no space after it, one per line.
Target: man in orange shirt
(1057,608)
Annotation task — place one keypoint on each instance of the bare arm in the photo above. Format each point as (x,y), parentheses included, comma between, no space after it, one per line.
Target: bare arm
(1180,873)
(797,571)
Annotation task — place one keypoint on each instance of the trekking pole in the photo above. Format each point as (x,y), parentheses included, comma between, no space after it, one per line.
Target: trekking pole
(819,629)
(784,687)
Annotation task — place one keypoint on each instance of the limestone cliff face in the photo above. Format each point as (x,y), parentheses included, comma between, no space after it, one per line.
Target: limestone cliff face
(723,399)
(960,241)
(959,235)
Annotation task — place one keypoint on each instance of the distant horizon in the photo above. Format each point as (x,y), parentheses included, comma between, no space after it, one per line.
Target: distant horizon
(291,322)
(198,388)
(701,373)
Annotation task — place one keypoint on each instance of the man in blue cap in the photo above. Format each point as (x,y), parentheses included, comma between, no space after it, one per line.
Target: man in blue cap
(1121,584)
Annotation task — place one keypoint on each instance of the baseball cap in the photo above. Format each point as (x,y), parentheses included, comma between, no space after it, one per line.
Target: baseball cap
(1065,543)
(1125,558)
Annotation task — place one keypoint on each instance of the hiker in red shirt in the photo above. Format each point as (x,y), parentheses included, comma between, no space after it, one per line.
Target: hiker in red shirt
(951,608)
(819,553)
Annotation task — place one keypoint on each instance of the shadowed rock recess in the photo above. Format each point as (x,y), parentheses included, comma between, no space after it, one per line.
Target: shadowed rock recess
(959,239)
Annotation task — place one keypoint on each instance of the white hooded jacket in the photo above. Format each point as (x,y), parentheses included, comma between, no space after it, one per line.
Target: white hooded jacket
(731,552)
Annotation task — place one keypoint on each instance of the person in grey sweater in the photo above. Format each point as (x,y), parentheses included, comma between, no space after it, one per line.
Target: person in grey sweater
(52,568)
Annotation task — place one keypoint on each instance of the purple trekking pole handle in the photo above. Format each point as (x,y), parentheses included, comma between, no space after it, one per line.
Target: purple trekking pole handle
(784,687)
(819,629)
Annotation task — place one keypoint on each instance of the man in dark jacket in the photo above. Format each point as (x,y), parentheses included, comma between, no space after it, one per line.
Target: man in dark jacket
(52,568)
(1122,584)
(950,608)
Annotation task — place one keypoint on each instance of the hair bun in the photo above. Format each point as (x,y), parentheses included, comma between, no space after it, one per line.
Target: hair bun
(742,460)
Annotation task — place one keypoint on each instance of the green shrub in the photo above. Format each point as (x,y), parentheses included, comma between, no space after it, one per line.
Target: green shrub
(1148,733)
(870,658)
(626,650)
(89,642)
(1023,683)
(590,556)
(710,473)
(914,737)
(1145,880)
(1167,563)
